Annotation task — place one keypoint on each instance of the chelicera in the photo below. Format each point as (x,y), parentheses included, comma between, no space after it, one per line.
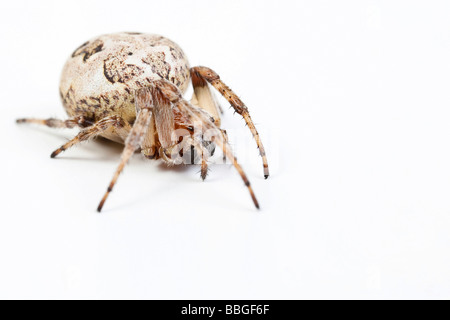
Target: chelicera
(127,87)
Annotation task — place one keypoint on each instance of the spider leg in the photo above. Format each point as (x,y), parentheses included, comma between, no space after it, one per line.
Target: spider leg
(78,121)
(225,139)
(238,167)
(197,114)
(149,146)
(172,94)
(165,124)
(205,99)
(93,131)
(203,152)
(200,74)
(144,101)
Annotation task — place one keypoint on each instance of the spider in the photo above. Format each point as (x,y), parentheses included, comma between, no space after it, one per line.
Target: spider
(127,87)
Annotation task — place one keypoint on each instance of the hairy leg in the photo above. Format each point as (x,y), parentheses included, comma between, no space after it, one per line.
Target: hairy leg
(225,139)
(197,114)
(93,131)
(144,101)
(79,121)
(149,147)
(205,99)
(201,150)
(200,74)
(238,167)
(171,93)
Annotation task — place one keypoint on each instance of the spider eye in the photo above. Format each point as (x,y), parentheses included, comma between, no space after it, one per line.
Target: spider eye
(190,128)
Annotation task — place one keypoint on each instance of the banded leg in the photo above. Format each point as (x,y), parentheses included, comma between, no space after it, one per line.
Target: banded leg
(144,102)
(79,121)
(199,74)
(239,169)
(93,131)
(197,114)
(225,139)
(149,145)
(197,149)
(205,99)
(201,150)
(172,94)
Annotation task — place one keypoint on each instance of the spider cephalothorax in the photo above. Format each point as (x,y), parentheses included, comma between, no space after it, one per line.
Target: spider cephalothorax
(127,87)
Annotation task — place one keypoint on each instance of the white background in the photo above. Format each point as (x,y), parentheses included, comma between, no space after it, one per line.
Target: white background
(352,99)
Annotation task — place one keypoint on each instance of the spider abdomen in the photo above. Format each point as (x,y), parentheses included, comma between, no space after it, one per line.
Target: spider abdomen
(100,77)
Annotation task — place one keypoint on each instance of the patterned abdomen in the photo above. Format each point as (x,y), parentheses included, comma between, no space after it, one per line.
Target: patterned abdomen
(100,77)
